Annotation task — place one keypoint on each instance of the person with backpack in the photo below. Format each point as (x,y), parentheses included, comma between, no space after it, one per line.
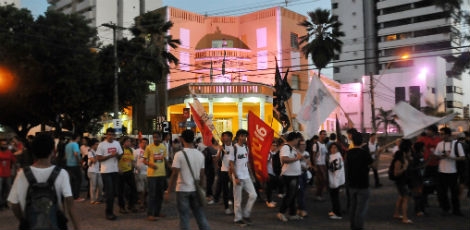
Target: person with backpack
(399,168)
(273,168)
(448,153)
(41,183)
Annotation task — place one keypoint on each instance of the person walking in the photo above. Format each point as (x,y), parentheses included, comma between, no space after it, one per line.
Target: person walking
(241,177)
(374,152)
(336,179)
(223,184)
(127,187)
(73,165)
(96,182)
(108,153)
(186,196)
(401,161)
(357,179)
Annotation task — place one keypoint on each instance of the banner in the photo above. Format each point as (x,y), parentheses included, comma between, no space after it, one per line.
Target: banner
(317,106)
(412,122)
(202,121)
(260,137)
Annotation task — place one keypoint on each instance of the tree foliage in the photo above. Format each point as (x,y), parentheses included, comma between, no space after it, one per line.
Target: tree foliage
(385,118)
(322,38)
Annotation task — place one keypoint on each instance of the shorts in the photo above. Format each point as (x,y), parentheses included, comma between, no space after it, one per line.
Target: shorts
(141,182)
(403,189)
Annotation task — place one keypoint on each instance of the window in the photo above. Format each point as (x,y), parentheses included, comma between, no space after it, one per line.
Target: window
(415,97)
(336,70)
(334,5)
(222,43)
(399,94)
(295,82)
(294,40)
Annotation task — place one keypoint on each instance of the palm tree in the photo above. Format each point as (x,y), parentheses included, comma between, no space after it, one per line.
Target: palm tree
(322,38)
(386,117)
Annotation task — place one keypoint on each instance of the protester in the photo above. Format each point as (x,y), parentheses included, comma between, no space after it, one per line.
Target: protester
(141,173)
(186,197)
(241,177)
(7,162)
(73,165)
(448,153)
(303,178)
(430,177)
(210,154)
(108,153)
(273,178)
(321,173)
(291,171)
(401,161)
(155,158)
(336,179)
(416,177)
(96,182)
(357,178)
(127,188)
(223,184)
(42,149)
(374,152)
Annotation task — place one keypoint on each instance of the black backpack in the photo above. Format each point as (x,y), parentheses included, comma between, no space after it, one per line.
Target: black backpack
(42,209)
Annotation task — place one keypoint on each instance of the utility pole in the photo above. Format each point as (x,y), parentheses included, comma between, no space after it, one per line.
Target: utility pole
(372,101)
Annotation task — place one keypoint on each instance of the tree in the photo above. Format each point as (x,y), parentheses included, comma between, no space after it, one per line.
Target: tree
(152,29)
(386,118)
(322,37)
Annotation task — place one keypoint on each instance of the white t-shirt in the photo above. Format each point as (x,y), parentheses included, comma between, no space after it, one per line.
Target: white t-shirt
(19,190)
(226,158)
(270,163)
(304,160)
(447,165)
(293,168)
(104,149)
(321,155)
(185,181)
(336,176)
(139,159)
(241,163)
(95,167)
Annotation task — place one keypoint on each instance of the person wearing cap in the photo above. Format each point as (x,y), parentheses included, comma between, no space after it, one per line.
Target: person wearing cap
(241,180)
(186,195)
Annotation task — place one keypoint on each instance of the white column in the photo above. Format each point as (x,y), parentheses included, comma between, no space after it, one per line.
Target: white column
(240,113)
(262,101)
(211,106)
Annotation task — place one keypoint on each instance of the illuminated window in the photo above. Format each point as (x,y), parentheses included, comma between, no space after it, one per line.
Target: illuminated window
(391,37)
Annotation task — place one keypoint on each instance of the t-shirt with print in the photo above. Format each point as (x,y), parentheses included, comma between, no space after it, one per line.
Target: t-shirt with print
(336,174)
(125,163)
(185,181)
(105,148)
(156,154)
(226,157)
(292,168)
(139,158)
(241,163)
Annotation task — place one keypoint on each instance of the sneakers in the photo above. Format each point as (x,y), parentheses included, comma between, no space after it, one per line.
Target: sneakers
(281,217)
(271,204)
(210,202)
(241,223)
(228,211)
(335,217)
(302,213)
(295,217)
(280,195)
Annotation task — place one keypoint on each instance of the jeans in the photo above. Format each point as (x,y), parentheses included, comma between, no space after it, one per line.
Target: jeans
(301,193)
(292,184)
(321,179)
(96,186)
(334,196)
(271,184)
(359,199)
(127,179)
(210,175)
(75,173)
(247,185)
(5,185)
(157,186)
(110,183)
(223,185)
(448,181)
(186,201)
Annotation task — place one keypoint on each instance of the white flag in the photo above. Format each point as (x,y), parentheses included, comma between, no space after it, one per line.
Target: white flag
(317,106)
(412,122)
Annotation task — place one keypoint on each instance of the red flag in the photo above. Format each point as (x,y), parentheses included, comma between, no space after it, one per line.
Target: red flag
(260,137)
(202,126)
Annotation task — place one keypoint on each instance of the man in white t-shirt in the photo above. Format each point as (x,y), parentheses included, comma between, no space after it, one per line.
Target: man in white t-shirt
(223,179)
(446,152)
(240,172)
(108,153)
(186,195)
(291,170)
(42,148)
(141,172)
(321,173)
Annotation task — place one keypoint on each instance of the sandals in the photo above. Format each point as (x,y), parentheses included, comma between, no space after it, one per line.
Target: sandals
(408,221)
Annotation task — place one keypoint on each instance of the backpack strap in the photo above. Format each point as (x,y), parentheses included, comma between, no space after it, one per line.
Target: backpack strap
(29,175)
(53,175)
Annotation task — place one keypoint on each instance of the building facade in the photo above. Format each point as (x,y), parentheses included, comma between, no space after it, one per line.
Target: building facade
(118,12)
(380,33)
(229,63)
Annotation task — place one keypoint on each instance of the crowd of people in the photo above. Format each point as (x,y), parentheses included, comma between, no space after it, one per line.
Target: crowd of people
(142,174)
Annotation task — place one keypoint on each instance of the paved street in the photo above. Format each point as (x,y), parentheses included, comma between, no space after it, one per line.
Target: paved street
(379,215)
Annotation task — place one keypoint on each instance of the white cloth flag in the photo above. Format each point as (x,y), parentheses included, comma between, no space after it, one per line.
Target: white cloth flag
(412,121)
(317,106)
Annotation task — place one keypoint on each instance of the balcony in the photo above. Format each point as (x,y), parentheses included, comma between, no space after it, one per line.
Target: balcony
(218,53)
(178,94)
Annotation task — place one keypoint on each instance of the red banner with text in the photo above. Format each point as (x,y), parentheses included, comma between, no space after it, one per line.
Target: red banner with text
(260,137)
